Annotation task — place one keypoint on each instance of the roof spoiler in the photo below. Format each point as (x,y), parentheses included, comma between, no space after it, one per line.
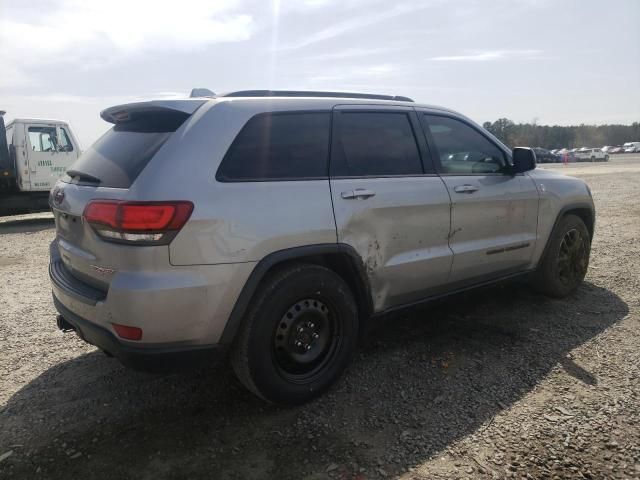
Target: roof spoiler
(128,111)
(5,166)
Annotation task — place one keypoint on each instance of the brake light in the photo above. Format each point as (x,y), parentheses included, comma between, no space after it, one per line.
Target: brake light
(142,223)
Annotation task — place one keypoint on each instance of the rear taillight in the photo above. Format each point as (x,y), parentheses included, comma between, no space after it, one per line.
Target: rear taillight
(140,223)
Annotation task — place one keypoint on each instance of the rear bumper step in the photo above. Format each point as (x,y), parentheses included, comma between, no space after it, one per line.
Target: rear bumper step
(64,280)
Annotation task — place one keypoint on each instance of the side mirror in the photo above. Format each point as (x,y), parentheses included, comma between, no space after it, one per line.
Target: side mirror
(524,159)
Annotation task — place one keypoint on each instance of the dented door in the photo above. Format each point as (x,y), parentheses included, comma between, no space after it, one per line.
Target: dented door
(395,216)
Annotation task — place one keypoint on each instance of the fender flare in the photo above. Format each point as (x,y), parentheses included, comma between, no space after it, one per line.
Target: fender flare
(362,296)
(563,211)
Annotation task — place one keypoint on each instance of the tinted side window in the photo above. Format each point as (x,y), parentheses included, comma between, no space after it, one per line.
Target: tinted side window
(462,149)
(279,146)
(375,143)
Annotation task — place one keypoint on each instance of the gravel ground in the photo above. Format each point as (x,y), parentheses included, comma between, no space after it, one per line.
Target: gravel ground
(497,383)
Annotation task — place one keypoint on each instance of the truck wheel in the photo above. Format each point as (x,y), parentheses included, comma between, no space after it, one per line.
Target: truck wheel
(565,263)
(606,158)
(298,336)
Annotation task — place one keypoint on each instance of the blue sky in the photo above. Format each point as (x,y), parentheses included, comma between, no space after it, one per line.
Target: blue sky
(553,61)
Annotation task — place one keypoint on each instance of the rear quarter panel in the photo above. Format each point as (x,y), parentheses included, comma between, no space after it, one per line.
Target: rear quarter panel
(236,221)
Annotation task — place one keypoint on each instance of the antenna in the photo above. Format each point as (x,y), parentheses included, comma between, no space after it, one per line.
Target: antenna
(201,92)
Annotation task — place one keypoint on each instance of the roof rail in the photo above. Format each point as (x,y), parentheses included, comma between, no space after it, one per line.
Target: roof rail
(298,93)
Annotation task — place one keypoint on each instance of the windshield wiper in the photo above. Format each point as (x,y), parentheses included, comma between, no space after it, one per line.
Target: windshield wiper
(83,177)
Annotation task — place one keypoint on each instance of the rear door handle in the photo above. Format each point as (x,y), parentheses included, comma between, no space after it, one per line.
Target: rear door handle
(465,189)
(361,193)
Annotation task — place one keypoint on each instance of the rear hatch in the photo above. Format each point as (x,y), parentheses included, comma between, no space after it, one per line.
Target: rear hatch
(103,175)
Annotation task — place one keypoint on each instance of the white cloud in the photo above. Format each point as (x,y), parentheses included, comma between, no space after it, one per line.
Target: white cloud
(97,34)
(360,73)
(489,55)
(348,53)
(383,69)
(357,22)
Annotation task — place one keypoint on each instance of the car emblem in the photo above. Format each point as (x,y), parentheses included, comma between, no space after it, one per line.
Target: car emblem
(58,196)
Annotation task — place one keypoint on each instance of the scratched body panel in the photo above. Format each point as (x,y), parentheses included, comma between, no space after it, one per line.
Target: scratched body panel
(494,228)
(401,234)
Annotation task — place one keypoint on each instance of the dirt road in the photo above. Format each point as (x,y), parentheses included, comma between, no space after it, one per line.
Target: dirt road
(498,383)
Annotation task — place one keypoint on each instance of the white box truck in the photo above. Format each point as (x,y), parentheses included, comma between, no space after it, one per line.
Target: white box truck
(631,147)
(34,154)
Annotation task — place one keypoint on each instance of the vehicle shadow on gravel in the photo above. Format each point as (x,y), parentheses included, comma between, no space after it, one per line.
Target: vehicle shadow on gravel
(420,381)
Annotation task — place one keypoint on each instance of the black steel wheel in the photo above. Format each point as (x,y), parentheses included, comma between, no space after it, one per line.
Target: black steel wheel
(306,337)
(298,336)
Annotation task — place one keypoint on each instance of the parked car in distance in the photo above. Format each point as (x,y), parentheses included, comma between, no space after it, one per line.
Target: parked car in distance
(618,149)
(565,155)
(274,225)
(631,147)
(545,156)
(592,155)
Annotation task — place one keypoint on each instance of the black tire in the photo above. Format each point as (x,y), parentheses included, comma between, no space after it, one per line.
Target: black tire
(266,356)
(566,260)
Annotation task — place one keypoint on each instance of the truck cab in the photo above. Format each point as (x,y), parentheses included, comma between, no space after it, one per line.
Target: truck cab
(37,153)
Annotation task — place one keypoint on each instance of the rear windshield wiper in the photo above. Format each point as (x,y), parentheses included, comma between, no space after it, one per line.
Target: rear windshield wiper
(83,177)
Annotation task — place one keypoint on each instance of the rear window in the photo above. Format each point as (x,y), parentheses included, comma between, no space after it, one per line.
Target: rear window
(119,156)
(279,146)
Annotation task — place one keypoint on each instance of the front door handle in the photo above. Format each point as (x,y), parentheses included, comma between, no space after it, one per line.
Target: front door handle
(465,189)
(361,193)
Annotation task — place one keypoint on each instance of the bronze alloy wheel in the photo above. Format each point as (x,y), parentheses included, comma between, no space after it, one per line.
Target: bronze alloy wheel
(572,258)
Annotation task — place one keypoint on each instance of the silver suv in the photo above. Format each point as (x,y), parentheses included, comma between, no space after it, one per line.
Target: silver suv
(276,224)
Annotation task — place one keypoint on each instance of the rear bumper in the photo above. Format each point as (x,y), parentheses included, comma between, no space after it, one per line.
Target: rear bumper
(186,305)
(165,357)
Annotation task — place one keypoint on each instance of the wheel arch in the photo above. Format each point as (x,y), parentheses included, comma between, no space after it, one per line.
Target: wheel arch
(584,211)
(340,258)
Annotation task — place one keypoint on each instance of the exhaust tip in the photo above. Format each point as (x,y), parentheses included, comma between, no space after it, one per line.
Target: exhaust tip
(64,325)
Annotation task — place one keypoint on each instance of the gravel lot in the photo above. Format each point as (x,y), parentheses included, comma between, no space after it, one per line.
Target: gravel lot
(497,383)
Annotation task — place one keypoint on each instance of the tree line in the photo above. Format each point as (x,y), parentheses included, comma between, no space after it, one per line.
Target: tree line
(550,137)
